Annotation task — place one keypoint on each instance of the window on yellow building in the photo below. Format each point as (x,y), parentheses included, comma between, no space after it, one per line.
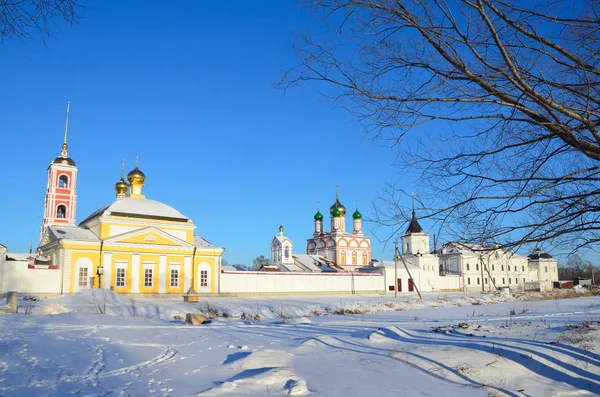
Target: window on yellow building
(83,276)
(354,259)
(204,278)
(120,277)
(148,281)
(174,278)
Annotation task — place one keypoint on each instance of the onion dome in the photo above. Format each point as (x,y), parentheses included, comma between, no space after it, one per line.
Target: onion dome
(121,186)
(136,176)
(337,209)
(280,228)
(356,215)
(318,216)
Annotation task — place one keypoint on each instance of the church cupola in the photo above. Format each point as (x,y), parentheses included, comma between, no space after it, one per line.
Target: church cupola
(318,223)
(338,214)
(281,249)
(121,186)
(61,199)
(136,180)
(415,240)
(357,220)
(337,209)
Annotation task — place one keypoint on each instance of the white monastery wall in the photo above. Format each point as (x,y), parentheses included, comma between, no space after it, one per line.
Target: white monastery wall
(283,283)
(17,277)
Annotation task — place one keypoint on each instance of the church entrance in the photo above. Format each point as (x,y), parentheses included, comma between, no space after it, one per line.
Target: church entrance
(83,274)
(204,280)
(411,286)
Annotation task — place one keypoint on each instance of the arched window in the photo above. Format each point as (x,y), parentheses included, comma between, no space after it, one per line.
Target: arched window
(61,211)
(287,252)
(63,181)
(354,259)
(343,257)
(365,258)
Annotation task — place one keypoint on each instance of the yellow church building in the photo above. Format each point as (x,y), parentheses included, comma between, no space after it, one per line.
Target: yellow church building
(134,245)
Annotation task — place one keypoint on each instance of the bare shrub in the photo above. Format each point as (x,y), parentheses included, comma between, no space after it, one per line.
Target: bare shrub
(212,311)
(27,309)
(350,311)
(281,312)
(133,309)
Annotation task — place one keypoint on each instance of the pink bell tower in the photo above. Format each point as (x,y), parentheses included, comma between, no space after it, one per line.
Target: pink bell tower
(61,198)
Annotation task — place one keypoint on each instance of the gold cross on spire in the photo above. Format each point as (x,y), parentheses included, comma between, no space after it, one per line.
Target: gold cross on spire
(136,159)
(318,205)
(122,168)
(337,190)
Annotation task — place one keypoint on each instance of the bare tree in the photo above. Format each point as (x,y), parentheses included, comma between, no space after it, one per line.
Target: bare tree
(577,267)
(492,105)
(259,261)
(22,19)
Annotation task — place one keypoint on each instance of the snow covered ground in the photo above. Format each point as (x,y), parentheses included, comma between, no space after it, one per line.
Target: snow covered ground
(445,345)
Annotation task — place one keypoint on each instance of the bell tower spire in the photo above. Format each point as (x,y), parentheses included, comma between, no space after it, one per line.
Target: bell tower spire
(61,198)
(64,145)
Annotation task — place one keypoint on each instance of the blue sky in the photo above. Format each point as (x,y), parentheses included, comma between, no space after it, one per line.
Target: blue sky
(189,87)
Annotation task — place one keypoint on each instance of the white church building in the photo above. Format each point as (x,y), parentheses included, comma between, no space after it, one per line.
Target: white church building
(460,266)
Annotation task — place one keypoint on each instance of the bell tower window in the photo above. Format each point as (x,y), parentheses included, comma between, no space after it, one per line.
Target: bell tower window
(287,252)
(63,181)
(61,211)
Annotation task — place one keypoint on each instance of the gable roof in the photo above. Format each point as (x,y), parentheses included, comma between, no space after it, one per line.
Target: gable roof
(281,239)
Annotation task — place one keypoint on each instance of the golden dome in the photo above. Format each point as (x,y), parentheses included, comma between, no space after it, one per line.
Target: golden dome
(136,176)
(121,187)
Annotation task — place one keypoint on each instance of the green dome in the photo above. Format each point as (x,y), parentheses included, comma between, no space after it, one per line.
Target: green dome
(318,216)
(336,212)
(337,209)
(357,215)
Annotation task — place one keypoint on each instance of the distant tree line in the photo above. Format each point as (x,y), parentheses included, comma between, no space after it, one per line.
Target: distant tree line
(578,267)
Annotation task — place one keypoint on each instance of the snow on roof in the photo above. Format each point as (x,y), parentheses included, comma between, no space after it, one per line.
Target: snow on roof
(18,256)
(391,264)
(138,207)
(281,239)
(313,263)
(229,268)
(202,243)
(73,233)
(458,247)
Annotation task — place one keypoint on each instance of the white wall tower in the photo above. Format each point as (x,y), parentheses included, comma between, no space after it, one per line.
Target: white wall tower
(281,249)
(415,240)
